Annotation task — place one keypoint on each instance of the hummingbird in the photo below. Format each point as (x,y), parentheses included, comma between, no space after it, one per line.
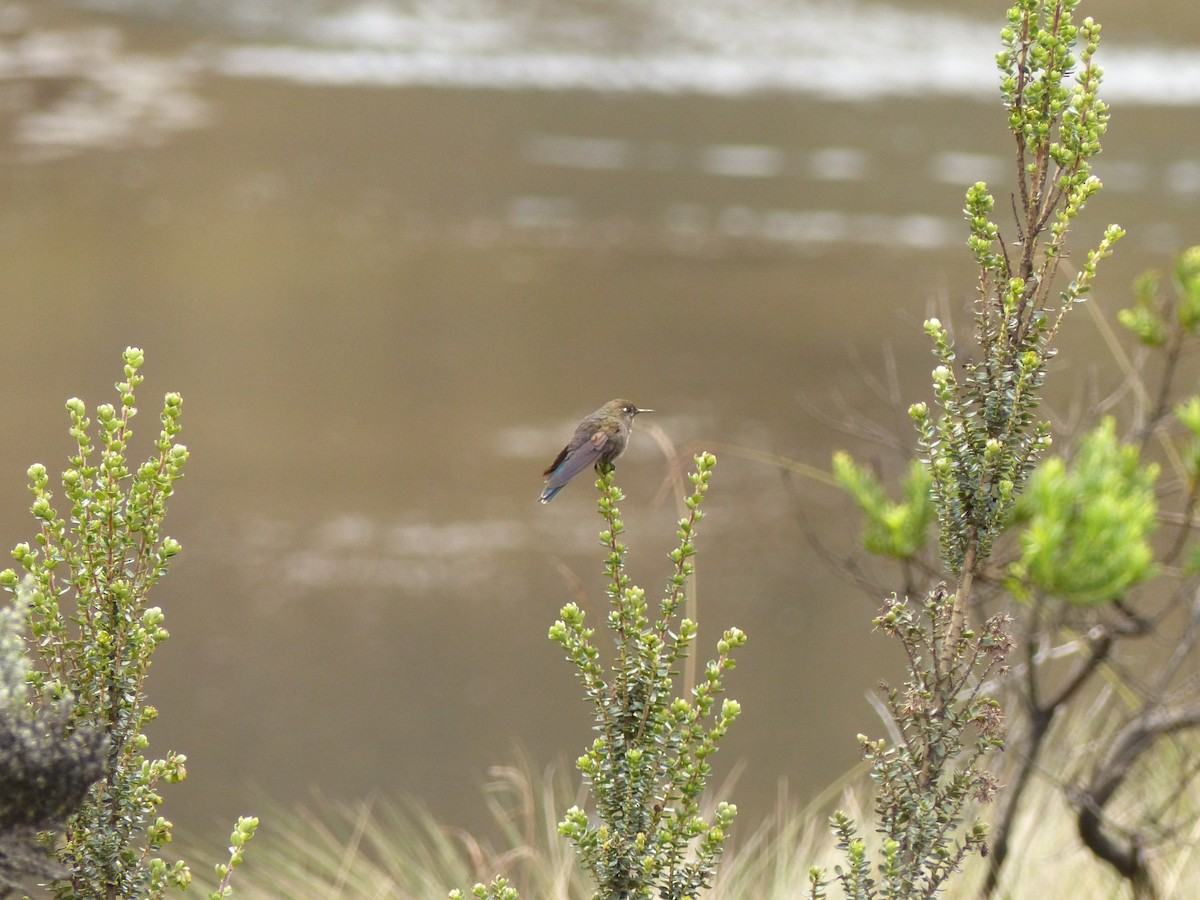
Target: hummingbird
(598,440)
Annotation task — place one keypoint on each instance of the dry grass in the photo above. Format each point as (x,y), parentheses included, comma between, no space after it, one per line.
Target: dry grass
(380,849)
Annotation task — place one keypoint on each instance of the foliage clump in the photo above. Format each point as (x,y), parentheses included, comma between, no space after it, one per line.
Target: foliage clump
(85,594)
(649,764)
(979,441)
(1085,528)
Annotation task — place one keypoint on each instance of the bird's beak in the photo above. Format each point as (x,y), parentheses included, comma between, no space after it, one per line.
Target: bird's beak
(645,410)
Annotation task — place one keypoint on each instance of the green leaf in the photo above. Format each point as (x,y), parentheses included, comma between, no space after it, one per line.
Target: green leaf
(1087,525)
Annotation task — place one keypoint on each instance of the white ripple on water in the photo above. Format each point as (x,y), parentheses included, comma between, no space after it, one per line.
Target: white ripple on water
(846,51)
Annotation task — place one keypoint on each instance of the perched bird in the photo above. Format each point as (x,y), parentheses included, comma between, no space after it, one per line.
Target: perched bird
(598,441)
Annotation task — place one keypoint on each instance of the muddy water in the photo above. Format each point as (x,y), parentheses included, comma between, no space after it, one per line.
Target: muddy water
(387,305)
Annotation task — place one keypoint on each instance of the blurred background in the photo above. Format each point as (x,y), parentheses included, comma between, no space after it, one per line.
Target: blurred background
(391,251)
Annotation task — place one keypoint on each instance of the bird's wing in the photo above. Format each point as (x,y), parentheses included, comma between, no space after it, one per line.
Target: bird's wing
(572,461)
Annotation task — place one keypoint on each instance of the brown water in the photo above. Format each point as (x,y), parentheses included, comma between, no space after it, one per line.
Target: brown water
(386,308)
